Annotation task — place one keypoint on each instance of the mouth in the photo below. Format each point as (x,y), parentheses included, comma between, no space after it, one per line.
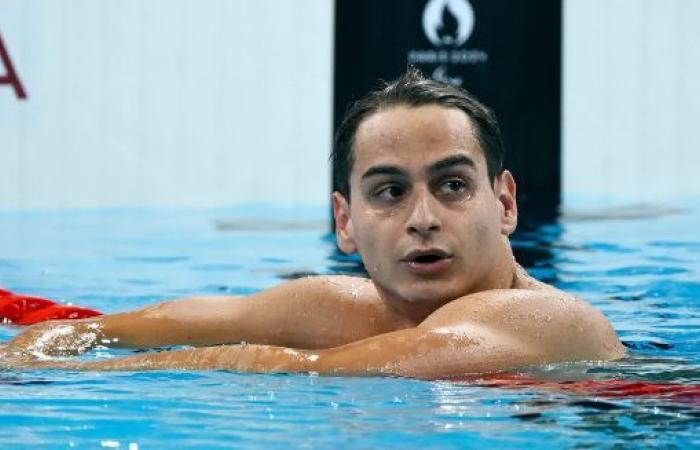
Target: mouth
(427,261)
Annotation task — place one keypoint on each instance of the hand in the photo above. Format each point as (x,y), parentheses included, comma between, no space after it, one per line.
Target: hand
(55,338)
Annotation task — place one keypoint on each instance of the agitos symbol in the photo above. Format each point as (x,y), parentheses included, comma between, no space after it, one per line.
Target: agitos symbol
(10,76)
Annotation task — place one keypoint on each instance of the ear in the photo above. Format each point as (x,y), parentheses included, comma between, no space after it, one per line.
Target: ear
(344,232)
(505,190)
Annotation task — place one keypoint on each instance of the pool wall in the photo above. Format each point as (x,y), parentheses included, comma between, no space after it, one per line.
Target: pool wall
(184,103)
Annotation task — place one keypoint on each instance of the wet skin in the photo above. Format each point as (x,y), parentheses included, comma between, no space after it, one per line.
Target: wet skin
(419,187)
(445,296)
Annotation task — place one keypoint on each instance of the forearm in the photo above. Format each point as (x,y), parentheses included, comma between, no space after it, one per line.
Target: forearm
(239,357)
(191,321)
(304,313)
(196,321)
(413,352)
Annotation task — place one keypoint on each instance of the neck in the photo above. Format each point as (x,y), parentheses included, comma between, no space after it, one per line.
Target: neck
(504,274)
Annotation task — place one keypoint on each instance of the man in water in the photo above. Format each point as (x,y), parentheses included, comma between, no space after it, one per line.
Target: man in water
(424,200)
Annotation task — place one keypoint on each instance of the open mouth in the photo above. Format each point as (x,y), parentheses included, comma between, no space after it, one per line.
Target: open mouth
(427,261)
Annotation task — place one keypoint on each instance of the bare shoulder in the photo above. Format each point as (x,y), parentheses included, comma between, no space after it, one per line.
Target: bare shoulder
(353,301)
(336,288)
(558,325)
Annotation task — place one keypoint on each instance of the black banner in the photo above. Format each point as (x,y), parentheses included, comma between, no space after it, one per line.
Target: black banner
(506,52)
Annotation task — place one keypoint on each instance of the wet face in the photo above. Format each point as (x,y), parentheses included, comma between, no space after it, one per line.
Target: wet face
(429,224)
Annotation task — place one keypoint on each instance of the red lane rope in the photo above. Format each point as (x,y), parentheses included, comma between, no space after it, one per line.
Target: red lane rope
(26,309)
(683,393)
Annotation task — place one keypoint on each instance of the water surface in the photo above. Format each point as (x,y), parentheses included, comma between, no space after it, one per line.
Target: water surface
(642,270)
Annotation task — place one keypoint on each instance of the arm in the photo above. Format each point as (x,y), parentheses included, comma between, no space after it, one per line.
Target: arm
(484,332)
(305,313)
(445,344)
(415,352)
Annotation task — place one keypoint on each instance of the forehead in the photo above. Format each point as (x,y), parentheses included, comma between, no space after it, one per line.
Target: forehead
(414,136)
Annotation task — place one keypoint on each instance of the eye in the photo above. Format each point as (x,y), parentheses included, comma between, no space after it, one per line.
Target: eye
(389,192)
(453,187)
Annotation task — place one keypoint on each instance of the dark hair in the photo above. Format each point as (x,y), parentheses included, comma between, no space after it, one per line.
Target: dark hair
(413,89)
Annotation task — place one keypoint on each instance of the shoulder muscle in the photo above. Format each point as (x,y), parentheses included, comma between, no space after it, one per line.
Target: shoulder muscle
(550,322)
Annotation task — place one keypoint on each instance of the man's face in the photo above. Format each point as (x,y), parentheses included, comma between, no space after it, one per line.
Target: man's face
(424,216)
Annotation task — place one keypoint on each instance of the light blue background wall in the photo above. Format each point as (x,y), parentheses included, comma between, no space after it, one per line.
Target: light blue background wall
(168,103)
(210,103)
(631,100)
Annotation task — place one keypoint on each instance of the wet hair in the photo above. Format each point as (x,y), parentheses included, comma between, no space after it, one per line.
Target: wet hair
(414,89)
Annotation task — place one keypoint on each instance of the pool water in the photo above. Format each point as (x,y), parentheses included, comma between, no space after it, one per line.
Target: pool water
(640,266)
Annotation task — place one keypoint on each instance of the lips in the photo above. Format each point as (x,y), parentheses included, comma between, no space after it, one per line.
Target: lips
(427,261)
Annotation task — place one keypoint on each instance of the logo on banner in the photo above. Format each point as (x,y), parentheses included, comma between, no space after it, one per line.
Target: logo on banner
(11,78)
(448,22)
(448,25)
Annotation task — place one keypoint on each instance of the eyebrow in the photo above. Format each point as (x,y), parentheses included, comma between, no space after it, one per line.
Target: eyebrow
(383,170)
(451,161)
(439,166)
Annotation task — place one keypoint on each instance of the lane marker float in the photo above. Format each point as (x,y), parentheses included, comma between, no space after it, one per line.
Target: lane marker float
(18,309)
(615,388)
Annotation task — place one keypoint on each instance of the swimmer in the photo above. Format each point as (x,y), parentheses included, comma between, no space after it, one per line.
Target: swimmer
(423,198)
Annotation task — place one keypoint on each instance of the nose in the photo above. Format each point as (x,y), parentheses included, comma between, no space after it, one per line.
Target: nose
(423,220)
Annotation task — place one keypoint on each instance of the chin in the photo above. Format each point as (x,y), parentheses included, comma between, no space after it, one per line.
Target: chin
(430,295)
(411,290)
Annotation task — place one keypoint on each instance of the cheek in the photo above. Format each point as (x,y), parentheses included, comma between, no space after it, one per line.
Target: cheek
(371,241)
(364,239)
(485,234)
(480,228)
(375,239)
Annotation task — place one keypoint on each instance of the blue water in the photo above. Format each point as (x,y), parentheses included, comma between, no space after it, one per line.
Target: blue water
(640,266)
